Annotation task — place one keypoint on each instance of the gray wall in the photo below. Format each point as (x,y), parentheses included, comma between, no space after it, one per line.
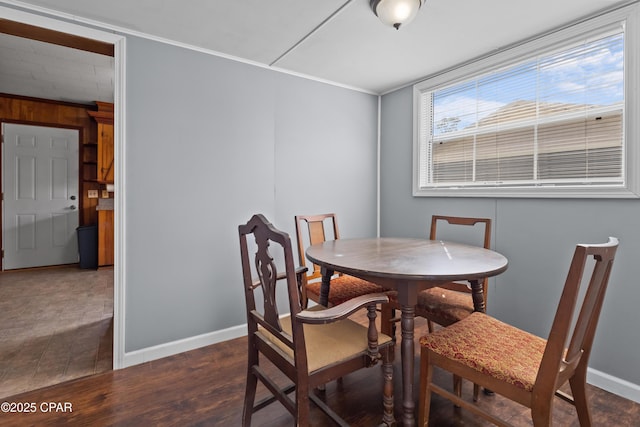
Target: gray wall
(538,237)
(209,142)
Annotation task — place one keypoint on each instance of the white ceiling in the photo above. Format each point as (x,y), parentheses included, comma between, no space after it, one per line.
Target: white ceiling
(339,41)
(48,71)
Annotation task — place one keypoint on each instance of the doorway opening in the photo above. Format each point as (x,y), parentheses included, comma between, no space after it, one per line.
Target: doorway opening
(106,281)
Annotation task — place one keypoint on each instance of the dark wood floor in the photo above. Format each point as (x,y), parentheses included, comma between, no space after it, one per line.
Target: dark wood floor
(205,387)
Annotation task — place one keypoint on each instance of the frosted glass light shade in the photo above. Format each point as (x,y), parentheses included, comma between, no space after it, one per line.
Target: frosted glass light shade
(396,12)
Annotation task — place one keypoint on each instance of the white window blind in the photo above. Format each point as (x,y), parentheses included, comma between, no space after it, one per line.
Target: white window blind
(554,119)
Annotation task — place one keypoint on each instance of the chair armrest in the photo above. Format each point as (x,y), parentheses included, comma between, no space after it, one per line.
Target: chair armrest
(341,311)
(299,270)
(283,275)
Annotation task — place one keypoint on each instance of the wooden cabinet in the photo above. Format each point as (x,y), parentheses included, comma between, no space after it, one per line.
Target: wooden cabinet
(102,153)
(104,118)
(105,152)
(105,237)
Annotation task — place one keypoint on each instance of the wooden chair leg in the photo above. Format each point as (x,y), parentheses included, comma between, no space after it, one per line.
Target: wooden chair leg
(387,326)
(541,413)
(250,391)
(249,398)
(426,374)
(579,392)
(387,397)
(457,389)
(303,405)
(457,385)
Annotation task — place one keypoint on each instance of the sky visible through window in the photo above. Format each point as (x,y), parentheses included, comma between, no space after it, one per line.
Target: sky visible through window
(590,74)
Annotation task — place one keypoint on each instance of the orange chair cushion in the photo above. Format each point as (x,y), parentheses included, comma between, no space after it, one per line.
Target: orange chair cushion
(491,347)
(343,288)
(444,304)
(439,303)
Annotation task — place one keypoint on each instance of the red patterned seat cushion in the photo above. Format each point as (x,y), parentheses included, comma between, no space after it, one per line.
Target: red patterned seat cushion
(343,288)
(490,346)
(445,304)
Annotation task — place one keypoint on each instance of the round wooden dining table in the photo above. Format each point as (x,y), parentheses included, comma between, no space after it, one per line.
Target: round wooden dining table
(408,266)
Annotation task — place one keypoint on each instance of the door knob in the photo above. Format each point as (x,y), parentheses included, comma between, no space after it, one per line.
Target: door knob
(72,207)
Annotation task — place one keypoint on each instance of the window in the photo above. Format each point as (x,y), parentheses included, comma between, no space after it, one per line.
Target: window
(546,119)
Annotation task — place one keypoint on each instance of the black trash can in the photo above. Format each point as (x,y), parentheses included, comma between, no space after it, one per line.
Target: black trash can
(88,246)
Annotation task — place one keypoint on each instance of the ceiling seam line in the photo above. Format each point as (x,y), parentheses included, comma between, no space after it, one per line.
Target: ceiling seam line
(310,33)
(89,24)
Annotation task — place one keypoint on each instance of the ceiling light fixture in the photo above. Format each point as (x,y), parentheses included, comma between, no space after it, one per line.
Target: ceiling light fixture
(396,12)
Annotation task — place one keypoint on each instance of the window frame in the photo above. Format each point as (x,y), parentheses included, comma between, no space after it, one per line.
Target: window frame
(627,17)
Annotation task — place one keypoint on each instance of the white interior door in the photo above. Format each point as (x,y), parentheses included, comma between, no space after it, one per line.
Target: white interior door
(40,186)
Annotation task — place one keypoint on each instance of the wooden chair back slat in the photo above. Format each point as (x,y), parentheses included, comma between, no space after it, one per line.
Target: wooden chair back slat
(569,343)
(316,233)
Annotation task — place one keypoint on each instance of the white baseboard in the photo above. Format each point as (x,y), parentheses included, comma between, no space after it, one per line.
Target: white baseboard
(614,385)
(599,379)
(187,344)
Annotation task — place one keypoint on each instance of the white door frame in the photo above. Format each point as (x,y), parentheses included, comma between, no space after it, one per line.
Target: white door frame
(119,43)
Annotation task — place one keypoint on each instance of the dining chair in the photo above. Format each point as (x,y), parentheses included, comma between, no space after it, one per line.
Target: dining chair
(310,230)
(309,347)
(451,302)
(518,365)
